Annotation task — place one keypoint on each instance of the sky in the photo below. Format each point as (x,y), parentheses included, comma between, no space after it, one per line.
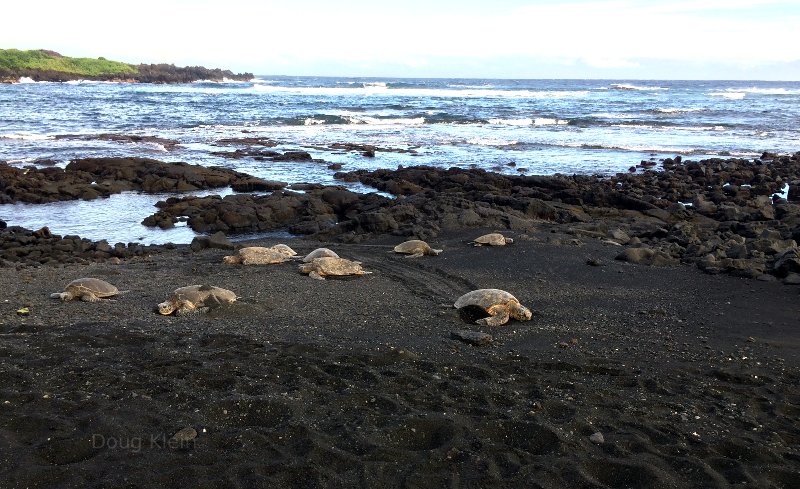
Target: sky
(607,39)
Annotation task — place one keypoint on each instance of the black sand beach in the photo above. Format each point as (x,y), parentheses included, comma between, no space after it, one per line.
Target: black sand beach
(682,373)
(690,379)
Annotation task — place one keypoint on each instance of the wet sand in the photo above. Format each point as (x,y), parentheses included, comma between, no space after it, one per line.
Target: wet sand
(626,375)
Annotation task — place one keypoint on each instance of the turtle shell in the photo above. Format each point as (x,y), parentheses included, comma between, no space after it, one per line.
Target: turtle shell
(484,298)
(412,246)
(285,249)
(495,239)
(329,265)
(99,288)
(198,294)
(320,253)
(257,255)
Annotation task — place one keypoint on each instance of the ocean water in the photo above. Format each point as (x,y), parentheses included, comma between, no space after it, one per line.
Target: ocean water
(510,126)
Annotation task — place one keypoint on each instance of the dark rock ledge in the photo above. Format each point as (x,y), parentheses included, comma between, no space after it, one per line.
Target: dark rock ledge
(721,215)
(90,178)
(24,247)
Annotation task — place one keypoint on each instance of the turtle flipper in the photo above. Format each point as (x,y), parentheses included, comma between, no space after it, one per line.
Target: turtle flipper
(185,307)
(498,316)
(316,276)
(416,255)
(89,297)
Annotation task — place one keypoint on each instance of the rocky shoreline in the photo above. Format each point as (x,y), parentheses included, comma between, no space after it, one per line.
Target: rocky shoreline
(92,178)
(721,215)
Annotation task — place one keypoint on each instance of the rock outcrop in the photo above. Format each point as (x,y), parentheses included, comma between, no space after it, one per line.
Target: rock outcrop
(90,178)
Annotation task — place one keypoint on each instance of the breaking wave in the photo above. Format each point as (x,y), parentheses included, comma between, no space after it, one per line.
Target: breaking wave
(729,95)
(27,137)
(380,89)
(675,110)
(539,121)
(630,87)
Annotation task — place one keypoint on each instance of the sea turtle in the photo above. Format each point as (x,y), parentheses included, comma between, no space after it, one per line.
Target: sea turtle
(87,289)
(257,255)
(319,253)
(195,298)
(328,266)
(285,249)
(492,239)
(415,248)
(499,304)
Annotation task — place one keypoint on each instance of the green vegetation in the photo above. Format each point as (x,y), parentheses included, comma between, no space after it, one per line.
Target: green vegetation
(48,61)
(43,65)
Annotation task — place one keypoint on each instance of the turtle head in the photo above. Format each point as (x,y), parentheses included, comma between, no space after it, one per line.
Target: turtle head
(231,260)
(520,312)
(64,296)
(509,240)
(166,308)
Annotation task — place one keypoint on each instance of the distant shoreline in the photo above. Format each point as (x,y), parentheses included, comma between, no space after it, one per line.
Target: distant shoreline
(26,79)
(50,66)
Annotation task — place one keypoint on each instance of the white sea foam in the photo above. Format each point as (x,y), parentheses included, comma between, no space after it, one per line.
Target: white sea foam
(637,148)
(635,126)
(697,128)
(27,137)
(20,161)
(729,95)
(92,82)
(384,90)
(224,80)
(26,79)
(661,149)
(492,142)
(735,154)
(479,87)
(673,110)
(89,82)
(364,113)
(546,121)
(158,147)
(539,121)
(628,86)
(376,120)
(768,91)
(609,115)
(511,122)
(363,84)
(310,121)
(670,128)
